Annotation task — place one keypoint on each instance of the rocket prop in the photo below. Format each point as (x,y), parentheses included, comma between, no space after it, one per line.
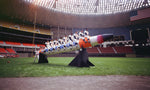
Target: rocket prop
(75,42)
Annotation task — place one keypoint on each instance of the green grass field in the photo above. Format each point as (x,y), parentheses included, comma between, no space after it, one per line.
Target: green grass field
(58,66)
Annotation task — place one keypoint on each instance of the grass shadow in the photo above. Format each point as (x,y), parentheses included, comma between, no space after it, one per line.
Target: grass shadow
(56,65)
(50,64)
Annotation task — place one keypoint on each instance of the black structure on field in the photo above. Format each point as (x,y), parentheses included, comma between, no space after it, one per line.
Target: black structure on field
(81,60)
(42,58)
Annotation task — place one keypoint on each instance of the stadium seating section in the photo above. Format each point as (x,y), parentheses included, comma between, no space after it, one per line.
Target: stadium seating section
(28,48)
(123,49)
(2,50)
(8,43)
(24,28)
(40,45)
(12,43)
(17,47)
(28,44)
(107,50)
(1,42)
(8,52)
(111,50)
(93,50)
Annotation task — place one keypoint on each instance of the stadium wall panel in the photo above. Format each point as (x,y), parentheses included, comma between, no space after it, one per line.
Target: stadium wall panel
(124,31)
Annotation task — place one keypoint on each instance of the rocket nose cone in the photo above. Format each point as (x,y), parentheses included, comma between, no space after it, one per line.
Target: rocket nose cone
(107,37)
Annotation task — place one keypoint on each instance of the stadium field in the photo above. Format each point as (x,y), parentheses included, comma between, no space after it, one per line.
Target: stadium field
(58,66)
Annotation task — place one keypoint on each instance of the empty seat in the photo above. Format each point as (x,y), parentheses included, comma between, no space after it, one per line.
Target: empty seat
(106,50)
(12,53)
(2,50)
(40,45)
(12,43)
(28,44)
(1,42)
(92,50)
(123,49)
(10,50)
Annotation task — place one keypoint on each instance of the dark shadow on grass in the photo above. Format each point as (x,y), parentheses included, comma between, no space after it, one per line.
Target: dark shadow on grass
(56,65)
(48,64)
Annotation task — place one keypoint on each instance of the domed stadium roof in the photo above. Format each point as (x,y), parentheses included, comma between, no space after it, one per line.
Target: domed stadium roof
(72,13)
(96,7)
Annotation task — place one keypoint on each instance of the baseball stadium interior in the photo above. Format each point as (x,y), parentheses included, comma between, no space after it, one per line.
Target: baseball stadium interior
(25,26)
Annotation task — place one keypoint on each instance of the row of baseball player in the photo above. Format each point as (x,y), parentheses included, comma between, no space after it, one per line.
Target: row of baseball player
(66,42)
